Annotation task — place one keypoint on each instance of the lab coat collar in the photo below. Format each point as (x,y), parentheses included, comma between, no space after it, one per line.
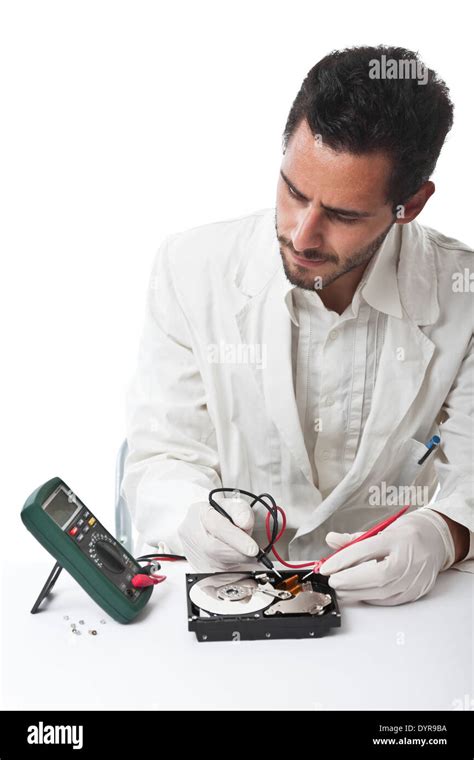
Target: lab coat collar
(417,280)
(262,260)
(379,285)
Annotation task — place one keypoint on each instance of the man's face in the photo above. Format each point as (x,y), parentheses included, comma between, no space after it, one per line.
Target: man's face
(331,211)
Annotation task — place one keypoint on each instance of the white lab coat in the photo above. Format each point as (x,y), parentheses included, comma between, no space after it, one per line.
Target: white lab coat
(212,401)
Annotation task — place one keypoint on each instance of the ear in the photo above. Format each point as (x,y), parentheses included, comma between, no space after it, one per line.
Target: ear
(411,208)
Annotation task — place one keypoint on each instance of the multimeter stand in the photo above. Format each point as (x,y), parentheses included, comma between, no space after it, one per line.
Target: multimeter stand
(48,586)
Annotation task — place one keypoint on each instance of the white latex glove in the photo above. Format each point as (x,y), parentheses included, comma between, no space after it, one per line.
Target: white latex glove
(398,565)
(211,542)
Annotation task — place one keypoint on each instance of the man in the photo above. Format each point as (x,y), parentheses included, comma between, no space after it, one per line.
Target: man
(312,350)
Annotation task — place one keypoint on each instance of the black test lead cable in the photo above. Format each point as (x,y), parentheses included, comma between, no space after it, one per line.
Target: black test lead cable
(272,508)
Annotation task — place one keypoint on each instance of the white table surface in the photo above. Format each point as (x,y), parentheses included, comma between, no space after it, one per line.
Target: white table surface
(414,656)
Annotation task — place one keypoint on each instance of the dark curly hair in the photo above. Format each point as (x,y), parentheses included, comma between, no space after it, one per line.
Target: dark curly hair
(355,111)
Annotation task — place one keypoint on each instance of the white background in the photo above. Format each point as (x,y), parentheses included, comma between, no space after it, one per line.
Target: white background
(123,122)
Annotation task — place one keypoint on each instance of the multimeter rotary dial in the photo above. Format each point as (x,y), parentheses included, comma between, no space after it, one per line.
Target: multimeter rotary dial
(102,549)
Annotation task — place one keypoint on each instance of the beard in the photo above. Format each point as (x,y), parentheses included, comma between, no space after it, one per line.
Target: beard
(297,275)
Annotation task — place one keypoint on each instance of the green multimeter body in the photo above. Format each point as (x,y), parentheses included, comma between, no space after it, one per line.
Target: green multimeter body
(59,520)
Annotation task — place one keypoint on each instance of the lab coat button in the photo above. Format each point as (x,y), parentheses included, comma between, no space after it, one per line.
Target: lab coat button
(333,334)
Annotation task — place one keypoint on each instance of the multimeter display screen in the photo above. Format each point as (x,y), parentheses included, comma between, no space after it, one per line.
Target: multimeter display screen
(60,509)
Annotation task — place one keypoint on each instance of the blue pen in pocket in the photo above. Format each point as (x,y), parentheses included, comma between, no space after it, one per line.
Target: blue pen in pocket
(431,445)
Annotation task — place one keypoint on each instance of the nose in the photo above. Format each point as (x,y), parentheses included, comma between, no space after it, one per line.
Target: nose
(307,232)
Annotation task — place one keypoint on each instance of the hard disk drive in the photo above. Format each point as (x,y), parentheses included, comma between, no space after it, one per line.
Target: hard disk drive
(234,606)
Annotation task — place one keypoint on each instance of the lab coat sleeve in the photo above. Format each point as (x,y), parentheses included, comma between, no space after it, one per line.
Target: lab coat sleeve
(172,461)
(455,465)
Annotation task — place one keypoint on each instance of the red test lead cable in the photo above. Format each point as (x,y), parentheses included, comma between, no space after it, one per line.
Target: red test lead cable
(149,575)
(317,565)
(141,581)
(282,530)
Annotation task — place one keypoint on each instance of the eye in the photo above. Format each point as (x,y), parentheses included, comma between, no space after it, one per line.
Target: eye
(343,219)
(346,220)
(293,193)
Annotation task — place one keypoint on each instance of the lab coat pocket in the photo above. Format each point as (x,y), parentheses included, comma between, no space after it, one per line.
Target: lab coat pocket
(410,453)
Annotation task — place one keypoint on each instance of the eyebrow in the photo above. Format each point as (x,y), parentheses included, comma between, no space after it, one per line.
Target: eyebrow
(334,209)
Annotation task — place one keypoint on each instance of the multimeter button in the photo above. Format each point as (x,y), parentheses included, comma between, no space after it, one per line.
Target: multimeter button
(80,537)
(85,529)
(92,521)
(80,522)
(73,531)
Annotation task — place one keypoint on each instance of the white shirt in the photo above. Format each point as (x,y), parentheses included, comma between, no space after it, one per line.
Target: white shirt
(335,362)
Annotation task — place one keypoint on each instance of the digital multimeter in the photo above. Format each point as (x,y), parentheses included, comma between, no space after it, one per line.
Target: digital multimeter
(59,520)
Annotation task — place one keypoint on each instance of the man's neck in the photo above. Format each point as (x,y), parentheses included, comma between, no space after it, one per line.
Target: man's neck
(338,295)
